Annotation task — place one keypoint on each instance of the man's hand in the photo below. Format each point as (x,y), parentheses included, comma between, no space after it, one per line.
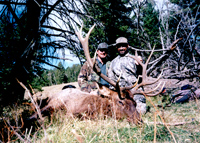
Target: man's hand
(140,58)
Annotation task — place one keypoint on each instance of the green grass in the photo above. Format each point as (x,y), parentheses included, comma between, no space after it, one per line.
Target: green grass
(66,129)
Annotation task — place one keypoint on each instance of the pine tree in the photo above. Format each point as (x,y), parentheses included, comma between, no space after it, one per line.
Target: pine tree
(72,73)
(60,74)
(112,19)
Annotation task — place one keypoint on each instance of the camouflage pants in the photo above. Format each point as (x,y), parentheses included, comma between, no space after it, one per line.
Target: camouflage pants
(141,103)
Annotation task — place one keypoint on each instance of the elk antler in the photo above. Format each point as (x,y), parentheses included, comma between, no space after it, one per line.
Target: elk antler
(84,42)
(145,81)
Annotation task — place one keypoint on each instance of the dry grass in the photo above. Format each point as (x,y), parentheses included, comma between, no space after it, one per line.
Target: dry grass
(68,129)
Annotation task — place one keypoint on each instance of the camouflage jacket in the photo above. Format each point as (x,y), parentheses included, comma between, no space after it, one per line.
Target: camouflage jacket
(87,78)
(126,67)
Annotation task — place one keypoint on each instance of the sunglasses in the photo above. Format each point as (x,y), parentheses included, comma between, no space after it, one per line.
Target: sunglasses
(122,45)
(103,50)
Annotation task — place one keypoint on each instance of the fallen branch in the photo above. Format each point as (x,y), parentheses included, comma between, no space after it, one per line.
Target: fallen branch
(36,106)
(163,57)
(34,103)
(17,134)
(170,124)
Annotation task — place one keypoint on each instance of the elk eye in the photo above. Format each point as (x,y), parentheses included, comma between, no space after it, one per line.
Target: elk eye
(121,103)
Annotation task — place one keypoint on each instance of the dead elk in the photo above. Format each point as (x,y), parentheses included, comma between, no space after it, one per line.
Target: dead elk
(85,105)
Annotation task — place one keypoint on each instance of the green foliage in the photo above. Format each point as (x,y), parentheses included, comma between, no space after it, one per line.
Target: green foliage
(112,19)
(57,76)
(72,73)
(118,18)
(146,20)
(162,134)
(41,81)
(60,74)
(151,23)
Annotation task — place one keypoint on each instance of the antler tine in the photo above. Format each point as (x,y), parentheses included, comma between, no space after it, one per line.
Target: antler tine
(144,72)
(150,82)
(136,54)
(136,82)
(151,95)
(150,55)
(144,66)
(137,59)
(147,92)
(95,55)
(144,76)
(130,87)
(88,34)
(119,77)
(84,42)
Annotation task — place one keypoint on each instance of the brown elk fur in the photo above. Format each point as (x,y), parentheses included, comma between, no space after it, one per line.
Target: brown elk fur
(85,105)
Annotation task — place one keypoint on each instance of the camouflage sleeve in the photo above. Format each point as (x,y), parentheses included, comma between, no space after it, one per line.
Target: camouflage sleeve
(83,79)
(107,67)
(111,74)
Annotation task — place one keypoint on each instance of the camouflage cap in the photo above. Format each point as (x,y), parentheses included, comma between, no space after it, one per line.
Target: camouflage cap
(102,46)
(121,40)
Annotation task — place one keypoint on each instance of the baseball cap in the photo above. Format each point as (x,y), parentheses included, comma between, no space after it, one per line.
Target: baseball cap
(121,40)
(102,46)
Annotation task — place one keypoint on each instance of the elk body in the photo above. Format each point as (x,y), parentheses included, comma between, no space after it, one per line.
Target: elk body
(116,103)
(86,105)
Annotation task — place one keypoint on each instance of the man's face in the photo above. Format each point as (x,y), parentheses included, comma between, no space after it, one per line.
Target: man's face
(122,48)
(102,53)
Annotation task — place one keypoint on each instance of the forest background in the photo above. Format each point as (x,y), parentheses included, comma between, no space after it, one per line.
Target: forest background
(35,33)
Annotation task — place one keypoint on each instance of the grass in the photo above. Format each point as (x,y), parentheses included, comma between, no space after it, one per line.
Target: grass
(72,130)
(110,130)
(67,129)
